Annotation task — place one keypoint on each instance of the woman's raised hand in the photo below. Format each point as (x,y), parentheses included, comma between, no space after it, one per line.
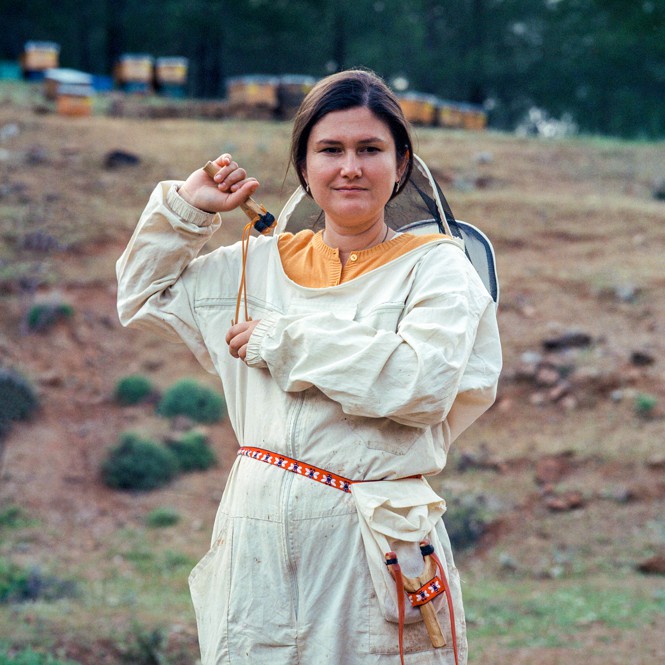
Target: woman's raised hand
(227,190)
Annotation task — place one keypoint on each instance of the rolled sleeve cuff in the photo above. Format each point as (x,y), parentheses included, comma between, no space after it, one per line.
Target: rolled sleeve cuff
(253,357)
(188,212)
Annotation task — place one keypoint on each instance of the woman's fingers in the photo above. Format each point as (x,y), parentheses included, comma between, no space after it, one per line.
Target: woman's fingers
(241,191)
(238,336)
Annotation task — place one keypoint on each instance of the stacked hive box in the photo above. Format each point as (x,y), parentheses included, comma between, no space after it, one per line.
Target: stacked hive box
(419,108)
(171,76)
(37,58)
(253,96)
(134,73)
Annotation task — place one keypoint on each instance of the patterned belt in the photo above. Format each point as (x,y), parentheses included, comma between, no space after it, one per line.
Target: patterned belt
(294,466)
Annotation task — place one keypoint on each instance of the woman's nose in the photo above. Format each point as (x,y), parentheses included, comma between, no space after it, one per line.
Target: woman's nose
(351,166)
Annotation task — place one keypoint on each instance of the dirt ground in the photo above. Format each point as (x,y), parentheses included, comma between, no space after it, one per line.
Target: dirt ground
(572,473)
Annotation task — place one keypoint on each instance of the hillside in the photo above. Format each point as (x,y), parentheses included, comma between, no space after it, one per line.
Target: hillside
(569,465)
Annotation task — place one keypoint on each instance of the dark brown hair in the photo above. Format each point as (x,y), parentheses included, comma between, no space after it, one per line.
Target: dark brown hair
(346,90)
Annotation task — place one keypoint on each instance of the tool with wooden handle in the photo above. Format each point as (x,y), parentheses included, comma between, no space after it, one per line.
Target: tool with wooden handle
(262,220)
(430,619)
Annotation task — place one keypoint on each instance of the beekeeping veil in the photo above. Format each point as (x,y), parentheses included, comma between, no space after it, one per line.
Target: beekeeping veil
(419,208)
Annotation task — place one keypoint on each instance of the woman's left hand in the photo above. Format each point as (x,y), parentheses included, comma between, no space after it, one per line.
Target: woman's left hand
(238,337)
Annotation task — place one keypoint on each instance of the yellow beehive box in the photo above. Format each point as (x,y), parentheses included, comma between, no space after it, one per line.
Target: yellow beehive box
(474,118)
(37,57)
(260,91)
(418,108)
(74,100)
(171,71)
(134,72)
(449,114)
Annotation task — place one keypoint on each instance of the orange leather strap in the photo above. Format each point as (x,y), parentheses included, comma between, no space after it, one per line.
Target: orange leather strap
(396,572)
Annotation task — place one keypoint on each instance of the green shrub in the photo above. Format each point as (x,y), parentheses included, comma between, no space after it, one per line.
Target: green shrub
(42,316)
(20,585)
(145,646)
(162,517)
(193,452)
(645,405)
(12,517)
(139,464)
(133,389)
(191,399)
(30,657)
(466,520)
(13,582)
(18,399)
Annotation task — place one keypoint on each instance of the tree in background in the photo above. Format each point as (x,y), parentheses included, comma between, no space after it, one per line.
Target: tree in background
(601,61)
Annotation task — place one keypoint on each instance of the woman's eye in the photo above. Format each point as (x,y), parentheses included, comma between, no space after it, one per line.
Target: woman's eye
(369,148)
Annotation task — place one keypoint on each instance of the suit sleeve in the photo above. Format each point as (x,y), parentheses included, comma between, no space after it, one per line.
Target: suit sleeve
(158,269)
(446,347)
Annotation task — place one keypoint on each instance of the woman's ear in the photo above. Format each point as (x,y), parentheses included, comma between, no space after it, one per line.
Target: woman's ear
(403,163)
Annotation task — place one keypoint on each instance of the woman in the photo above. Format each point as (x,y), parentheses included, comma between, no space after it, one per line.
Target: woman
(367,352)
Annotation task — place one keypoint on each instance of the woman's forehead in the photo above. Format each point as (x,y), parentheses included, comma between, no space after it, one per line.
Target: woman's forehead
(350,125)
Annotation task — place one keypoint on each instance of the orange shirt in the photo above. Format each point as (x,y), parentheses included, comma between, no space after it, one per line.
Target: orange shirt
(308,261)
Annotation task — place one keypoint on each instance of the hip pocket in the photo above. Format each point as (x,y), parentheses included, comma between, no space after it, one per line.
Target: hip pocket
(209,584)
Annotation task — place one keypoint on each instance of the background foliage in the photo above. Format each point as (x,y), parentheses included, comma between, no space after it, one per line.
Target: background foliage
(600,61)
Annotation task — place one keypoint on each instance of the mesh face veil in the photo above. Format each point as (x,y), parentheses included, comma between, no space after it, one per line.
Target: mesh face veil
(420,208)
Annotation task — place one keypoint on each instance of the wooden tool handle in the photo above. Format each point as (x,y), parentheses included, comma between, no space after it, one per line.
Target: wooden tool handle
(431,621)
(250,207)
(430,618)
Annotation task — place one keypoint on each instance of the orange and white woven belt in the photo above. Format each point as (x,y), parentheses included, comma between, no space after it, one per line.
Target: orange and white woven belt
(301,468)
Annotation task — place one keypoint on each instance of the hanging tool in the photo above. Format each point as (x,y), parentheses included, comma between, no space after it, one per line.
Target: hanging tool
(421,591)
(262,220)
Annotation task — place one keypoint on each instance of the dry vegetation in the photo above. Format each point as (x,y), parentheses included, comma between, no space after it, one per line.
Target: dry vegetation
(570,472)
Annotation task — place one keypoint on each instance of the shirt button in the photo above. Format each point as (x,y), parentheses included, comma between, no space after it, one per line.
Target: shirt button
(353,257)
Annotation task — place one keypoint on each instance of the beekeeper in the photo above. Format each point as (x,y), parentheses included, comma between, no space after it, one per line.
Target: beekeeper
(364,353)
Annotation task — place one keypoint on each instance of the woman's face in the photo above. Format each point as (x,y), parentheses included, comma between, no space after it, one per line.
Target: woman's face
(351,168)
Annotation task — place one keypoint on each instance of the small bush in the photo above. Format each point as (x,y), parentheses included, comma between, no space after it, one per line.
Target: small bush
(18,399)
(189,398)
(20,585)
(466,520)
(133,390)
(144,646)
(13,582)
(645,405)
(42,316)
(30,657)
(12,517)
(193,452)
(139,464)
(162,517)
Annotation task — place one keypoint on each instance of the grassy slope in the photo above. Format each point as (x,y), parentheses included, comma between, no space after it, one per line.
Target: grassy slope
(572,221)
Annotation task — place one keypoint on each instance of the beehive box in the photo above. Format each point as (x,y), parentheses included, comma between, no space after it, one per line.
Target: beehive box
(171,75)
(253,91)
(74,100)
(418,108)
(292,90)
(171,71)
(134,72)
(474,117)
(449,115)
(37,57)
(55,78)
